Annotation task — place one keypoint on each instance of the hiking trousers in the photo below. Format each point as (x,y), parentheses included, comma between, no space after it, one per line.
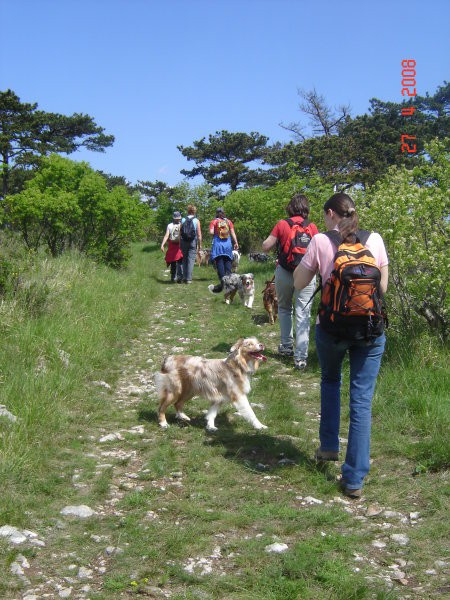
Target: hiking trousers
(365,360)
(292,302)
(189,250)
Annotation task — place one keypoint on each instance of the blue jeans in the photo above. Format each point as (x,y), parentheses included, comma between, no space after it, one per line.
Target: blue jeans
(223,264)
(365,360)
(189,250)
(289,300)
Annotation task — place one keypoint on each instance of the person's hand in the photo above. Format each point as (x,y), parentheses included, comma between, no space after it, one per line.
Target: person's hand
(162,248)
(236,246)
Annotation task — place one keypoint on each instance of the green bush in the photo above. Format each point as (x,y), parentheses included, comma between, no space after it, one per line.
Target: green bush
(67,205)
(411,210)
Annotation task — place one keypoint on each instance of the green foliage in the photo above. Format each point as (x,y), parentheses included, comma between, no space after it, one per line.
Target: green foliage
(203,197)
(67,205)
(366,146)
(255,211)
(224,158)
(411,209)
(27,134)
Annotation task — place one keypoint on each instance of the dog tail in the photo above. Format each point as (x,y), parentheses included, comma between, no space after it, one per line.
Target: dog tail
(160,376)
(159,380)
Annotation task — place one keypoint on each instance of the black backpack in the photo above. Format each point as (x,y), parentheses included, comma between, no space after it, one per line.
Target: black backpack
(188,232)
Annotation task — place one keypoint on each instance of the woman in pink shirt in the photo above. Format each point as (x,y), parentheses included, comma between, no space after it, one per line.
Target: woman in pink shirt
(364,355)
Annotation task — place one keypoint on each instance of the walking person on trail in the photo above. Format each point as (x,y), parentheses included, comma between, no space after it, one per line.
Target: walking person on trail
(174,256)
(292,237)
(223,244)
(357,330)
(190,241)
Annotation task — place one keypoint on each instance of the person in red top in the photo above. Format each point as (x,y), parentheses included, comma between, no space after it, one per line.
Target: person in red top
(291,300)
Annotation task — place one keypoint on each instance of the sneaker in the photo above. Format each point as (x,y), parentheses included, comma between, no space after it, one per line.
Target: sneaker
(349,492)
(285,350)
(188,281)
(300,365)
(326,454)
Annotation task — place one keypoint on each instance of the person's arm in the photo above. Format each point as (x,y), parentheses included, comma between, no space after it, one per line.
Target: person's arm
(199,235)
(384,279)
(234,238)
(269,243)
(302,276)
(165,238)
(211,227)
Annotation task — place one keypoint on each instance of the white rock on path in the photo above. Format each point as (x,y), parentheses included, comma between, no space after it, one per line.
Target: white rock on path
(400,538)
(81,511)
(276,547)
(111,437)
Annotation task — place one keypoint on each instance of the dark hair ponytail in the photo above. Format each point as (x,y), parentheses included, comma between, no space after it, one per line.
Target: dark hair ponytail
(343,205)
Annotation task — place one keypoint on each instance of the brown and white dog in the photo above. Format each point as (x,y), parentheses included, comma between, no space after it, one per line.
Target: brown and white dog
(219,380)
(270,300)
(203,257)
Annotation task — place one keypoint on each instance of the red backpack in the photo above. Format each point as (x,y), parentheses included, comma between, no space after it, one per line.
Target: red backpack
(300,236)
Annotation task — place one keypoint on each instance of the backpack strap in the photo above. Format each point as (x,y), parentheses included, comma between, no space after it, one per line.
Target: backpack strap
(334,236)
(291,223)
(362,236)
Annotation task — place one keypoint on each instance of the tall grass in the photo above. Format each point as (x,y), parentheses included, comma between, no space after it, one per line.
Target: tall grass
(64,328)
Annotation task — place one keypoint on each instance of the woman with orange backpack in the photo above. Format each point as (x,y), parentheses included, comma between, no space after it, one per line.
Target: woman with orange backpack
(350,321)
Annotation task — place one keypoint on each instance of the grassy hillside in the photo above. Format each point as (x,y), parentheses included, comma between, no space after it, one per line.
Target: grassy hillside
(182,513)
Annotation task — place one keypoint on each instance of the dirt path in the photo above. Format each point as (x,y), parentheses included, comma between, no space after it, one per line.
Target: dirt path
(76,555)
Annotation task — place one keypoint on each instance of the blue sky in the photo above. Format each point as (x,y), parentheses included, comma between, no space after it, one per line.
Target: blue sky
(157,74)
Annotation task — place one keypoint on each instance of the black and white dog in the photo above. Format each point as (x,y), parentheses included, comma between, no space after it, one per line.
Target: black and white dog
(244,285)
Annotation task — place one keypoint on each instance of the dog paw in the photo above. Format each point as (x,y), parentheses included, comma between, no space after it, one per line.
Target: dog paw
(182,417)
(261,426)
(211,429)
(227,301)
(164,425)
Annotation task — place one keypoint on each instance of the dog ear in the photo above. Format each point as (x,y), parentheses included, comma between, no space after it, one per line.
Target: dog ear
(237,345)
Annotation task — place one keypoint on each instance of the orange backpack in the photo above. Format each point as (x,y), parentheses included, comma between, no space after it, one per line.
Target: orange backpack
(223,229)
(351,303)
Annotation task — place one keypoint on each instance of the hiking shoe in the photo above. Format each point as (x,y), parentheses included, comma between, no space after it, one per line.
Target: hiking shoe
(300,365)
(355,494)
(326,454)
(285,350)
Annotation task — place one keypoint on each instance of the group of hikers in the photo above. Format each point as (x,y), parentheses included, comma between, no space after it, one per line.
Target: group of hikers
(185,240)
(353,268)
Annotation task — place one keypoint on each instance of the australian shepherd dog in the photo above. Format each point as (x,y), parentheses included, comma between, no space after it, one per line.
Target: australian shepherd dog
(244,285)
(270,300)
(219,380)
(203,257)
